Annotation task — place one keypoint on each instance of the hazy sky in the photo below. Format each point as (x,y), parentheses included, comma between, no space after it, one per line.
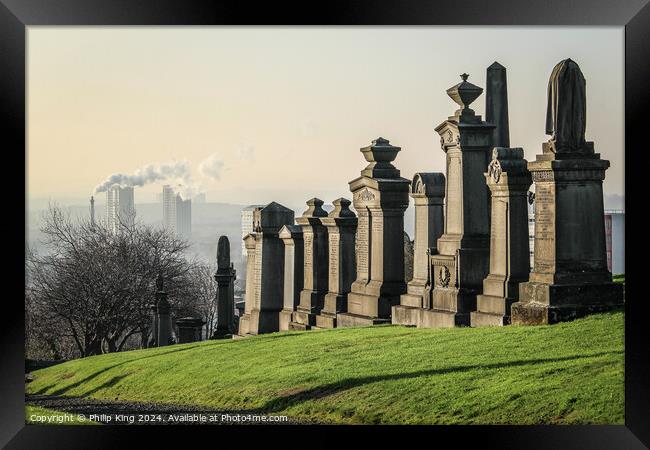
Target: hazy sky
(279,113)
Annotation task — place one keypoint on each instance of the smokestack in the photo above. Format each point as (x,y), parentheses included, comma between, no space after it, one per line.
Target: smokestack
(92,211)
(496,104)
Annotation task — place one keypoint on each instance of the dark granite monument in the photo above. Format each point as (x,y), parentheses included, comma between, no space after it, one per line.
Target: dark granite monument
(316,265)
(225,278)
(428,193)
(461,264)
(294,271)
(570,277)
(380,197)
(496,104)
(341,226)
(162,321)
(190,329)
(508,180)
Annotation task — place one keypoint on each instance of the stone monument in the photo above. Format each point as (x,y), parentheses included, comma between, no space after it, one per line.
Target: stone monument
(163,320)
(380,197)
(190,329)
(496,104)
(249,296)
(428,193)
(294,271)
(508,180)
(460,266)
(268,271)
(570,276)
(316,266)
(341,226)
(225,278)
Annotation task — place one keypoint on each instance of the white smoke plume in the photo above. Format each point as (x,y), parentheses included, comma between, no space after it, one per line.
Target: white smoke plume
(174,171)
(211,167)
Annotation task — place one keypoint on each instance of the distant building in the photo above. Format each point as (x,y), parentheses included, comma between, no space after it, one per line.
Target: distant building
(177,213)
(169,208)
(120,207)
(183,217)
(247,223)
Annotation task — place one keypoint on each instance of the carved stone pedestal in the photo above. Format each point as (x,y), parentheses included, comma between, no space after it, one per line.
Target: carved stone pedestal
(428,192)
(380,197)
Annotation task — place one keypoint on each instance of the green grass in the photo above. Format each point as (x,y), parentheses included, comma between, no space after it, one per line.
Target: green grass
(566,373)
(35,415)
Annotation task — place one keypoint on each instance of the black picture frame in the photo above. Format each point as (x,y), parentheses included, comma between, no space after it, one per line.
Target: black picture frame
(16,15)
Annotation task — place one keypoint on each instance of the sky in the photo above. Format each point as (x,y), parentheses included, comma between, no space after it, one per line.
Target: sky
(250,115)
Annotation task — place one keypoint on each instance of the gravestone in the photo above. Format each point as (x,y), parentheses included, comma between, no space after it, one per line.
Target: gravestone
(190,329)
(428,193)
(380,197)
(570,277)
(341,226)
(163,321)
(225,278)
(461,264)
(508,180)
(250,241)
(294,271)
(316,266)
(267,276)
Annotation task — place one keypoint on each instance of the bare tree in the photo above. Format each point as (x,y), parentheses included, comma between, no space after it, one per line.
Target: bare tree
(96,285)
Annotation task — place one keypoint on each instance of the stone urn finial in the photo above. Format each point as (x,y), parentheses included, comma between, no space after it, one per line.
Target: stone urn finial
(380,154)
(341,208)
(315,208)
(380,151)
(464,93)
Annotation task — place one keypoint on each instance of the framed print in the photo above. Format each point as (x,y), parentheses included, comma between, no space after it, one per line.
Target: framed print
(371,218)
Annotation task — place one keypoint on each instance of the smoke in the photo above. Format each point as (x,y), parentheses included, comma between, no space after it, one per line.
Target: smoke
(178,172)
(188,191)
(211,167)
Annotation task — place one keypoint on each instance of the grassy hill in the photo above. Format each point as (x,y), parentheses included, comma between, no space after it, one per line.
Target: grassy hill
(566,373)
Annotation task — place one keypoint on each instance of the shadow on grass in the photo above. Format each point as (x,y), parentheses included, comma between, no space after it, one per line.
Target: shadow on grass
(280,403)
(93,375)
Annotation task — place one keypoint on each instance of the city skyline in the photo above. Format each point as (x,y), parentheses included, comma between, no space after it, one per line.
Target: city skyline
(247,112)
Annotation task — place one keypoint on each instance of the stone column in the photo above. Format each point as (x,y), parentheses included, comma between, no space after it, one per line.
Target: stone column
(250,241)
(154,325)
(225,278)
(380,197)
(428,193)
(341,226)
(294,271)
(190,329)
(269,269)
(164,336)
(312,297)
(570,277)
(461,264)
(508,180)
